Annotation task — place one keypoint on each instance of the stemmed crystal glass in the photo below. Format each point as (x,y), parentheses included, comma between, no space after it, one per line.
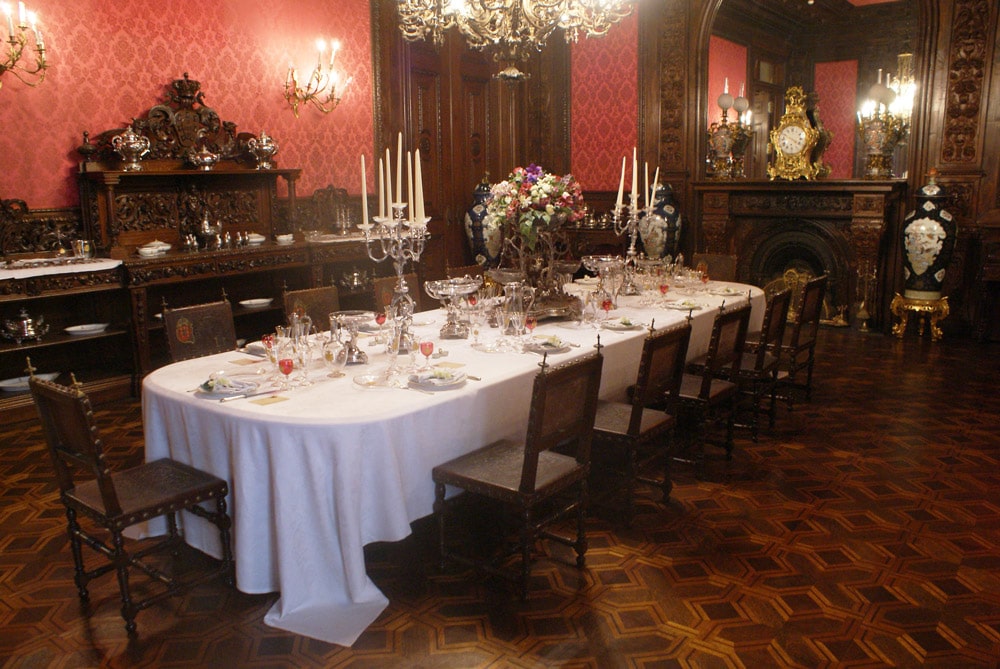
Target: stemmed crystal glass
(334,357)
(426,348)
(286,362)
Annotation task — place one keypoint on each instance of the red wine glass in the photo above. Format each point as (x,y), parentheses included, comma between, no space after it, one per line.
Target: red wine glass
(285,366)
(426,348)
(380,321)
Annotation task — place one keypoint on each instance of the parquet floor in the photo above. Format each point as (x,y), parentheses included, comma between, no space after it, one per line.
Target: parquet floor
(863,532)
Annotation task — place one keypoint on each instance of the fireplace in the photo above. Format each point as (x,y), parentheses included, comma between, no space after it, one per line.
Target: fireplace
(819,227)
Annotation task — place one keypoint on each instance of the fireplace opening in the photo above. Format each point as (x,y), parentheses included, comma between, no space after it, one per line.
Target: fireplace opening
(794,250)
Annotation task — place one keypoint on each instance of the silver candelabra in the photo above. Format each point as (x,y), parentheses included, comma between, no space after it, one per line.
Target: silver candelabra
(629,223)
(403,241)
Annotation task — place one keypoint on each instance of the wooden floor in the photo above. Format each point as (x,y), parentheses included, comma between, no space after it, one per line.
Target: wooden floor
(864,531)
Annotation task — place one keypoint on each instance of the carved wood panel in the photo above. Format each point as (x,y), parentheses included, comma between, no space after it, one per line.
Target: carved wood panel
(967,67)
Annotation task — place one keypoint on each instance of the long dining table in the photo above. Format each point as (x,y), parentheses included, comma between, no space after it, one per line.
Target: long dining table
(317,472)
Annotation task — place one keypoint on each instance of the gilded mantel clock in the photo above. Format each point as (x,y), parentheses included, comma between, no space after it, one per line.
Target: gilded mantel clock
(793,141)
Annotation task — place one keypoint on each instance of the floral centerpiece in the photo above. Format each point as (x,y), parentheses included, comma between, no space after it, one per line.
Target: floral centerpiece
(533,200)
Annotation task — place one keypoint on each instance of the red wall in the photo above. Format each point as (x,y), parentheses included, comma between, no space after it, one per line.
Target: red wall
(726,60)
(605,104)
(110,61)
(836,85)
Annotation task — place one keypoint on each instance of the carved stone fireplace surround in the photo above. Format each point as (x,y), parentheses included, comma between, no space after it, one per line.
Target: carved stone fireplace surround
(832,227)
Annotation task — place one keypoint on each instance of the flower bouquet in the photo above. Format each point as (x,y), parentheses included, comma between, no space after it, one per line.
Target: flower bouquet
(532,200)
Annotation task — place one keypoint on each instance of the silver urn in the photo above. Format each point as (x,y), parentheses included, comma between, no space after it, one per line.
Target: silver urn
(203,159)
(131,146)
(263,149)
(25,327)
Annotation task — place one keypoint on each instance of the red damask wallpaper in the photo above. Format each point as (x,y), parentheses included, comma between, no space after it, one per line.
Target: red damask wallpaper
(110,61)
(727,61)
(605,103)
(836,85)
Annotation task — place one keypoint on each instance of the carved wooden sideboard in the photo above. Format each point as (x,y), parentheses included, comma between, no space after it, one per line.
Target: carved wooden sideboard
(836,227)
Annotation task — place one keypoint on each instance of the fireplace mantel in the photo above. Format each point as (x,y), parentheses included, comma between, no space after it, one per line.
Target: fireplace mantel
(846,220)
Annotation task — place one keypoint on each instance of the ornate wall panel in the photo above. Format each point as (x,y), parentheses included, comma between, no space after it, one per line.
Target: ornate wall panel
(604,104)
(674,98)
(109,59)
(966,74)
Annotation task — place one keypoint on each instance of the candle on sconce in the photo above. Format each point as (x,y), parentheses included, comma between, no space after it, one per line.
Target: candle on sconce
(334,48)
(399,169)
(320,47)
(420,189)
(10,22)
(725,85)
(621,186)
(741,90)
(24,24)
(381,189)
(364,191)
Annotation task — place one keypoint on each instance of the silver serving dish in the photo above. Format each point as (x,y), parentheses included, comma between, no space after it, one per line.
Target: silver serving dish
(447,291)
(203,159)
(25,327)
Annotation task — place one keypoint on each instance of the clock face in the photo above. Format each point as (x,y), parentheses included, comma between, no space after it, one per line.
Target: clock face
(792,139)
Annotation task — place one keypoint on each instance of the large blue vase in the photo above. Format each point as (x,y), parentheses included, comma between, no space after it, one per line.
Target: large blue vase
(660,230)
(929,234)
(484,240)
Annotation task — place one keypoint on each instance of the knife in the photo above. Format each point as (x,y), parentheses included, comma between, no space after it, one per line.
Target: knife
(245,395)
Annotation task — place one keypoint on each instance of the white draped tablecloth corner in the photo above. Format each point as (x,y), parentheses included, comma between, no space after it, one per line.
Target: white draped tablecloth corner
(336,466)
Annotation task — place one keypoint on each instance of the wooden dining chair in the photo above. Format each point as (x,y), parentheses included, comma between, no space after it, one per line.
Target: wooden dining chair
(761,360)
(199,330)
(113,501)
(384,287)
(709,396)
(317,303)
(637,430)
(527,475)
(799,348)
(474,271)
(721,266)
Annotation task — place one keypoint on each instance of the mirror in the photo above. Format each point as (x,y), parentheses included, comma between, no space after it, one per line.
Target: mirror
(761,47)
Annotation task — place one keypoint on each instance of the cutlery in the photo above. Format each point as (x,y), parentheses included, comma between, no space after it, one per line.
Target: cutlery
(246,395)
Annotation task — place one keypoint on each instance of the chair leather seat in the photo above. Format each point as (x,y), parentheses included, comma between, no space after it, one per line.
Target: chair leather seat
(497,468)
(613,419)
(748,363)
(151,490)
(719,390)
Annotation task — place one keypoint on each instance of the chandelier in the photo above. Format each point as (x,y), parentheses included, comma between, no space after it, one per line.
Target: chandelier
(17,40)
(511,29)
(323,89)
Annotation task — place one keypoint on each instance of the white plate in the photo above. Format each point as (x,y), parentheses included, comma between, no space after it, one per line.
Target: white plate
(21,383)
(545,348)
(370,380)
(157,245)
(684,306)
(258,303)
(234,388)
(422,322)
(89,328)
(254,242)
(424,382)
(726,292)
(618,326)
(154,252)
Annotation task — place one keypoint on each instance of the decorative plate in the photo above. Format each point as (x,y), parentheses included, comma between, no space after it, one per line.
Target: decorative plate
(437,379)
(89,328)
(20,384)
(225,387)
(257,303)
(621,325)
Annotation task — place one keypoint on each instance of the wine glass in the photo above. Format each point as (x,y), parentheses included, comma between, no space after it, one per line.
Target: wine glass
(303,357)
(285,366)
(702,269)
(529,325)
(607,304)
(270,345)
(334,357)
(426,348)
(380,317)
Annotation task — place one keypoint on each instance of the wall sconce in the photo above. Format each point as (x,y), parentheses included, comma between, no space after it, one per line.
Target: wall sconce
(323,89)
(884,120)
(17,39)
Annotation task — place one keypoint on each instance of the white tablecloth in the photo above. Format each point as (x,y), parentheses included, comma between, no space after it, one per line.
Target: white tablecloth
(336,466)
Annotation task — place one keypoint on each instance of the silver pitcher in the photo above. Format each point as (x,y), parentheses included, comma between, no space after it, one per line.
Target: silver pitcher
(263,149)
